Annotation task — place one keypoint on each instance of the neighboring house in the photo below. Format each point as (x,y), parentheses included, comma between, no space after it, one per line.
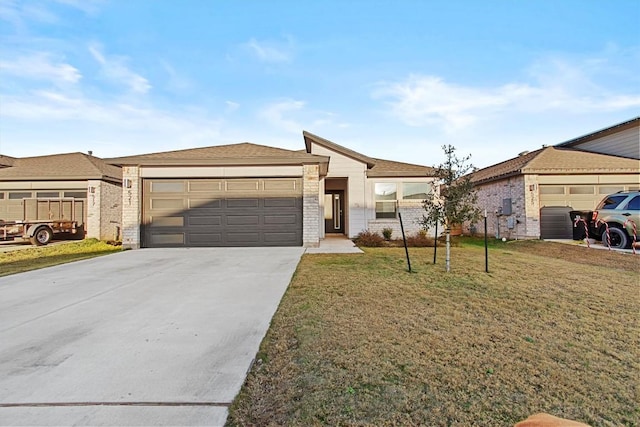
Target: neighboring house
(621,140)
(31,187)
(252,195)
(530,196)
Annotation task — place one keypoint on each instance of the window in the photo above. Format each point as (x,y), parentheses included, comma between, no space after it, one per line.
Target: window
(19,195)
(545,189)
(611,202)
(583,189)
(634,204)
(386,200)
(44,194)
(1,195)
(610,190)
(76,194)
(415,190)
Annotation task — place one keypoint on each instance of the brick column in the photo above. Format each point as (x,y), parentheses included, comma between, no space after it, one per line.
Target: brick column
(310,206)
(131,207)
(93,209)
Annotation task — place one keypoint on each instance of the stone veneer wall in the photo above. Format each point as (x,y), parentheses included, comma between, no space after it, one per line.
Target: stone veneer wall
(310,206)
(131,205)
(104,213)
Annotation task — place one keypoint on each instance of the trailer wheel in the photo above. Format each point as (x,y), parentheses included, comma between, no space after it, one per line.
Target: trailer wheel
(42,236)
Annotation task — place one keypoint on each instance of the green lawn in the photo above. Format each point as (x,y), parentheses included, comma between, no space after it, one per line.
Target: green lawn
(45,256)
(359,341)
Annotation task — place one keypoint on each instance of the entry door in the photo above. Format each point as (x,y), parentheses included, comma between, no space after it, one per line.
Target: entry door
(333,211)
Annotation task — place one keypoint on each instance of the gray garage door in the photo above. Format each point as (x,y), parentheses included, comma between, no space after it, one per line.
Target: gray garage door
(555,222)
(222,212)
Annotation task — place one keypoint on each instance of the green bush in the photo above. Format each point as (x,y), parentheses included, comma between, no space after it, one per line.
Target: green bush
(387,232)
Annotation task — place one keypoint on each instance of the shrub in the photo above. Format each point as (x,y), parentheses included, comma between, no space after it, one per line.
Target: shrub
(420,240)
(387,232)
(368,238)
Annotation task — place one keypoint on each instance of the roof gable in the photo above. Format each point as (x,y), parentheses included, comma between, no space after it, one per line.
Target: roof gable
(310,138)
(70,166)
(6,161)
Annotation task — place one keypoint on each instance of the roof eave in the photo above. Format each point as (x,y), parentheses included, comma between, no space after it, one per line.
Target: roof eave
(240,161)
(397,174)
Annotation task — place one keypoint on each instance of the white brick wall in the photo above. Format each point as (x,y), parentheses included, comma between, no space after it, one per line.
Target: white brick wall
(131,208)
(310,206)
(411,212)
(104,213)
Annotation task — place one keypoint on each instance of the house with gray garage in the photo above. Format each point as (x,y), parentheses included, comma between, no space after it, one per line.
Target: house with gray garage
(74,186)
(253,195)
(530,196)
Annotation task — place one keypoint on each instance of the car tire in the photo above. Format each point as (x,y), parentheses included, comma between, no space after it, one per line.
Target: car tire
(619,238)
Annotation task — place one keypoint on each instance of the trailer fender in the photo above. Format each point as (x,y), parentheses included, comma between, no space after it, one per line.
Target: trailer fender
(39,234)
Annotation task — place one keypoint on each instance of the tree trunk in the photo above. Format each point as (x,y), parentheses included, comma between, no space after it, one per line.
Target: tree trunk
(448,257)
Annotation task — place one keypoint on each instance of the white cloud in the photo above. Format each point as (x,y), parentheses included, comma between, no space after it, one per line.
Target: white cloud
(115,69)
(41,66)
(89,7)
(231,106)
(555,85)
(278,115)
(269,51)
(124,127)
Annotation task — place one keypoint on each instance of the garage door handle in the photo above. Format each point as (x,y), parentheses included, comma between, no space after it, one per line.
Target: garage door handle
(626,214)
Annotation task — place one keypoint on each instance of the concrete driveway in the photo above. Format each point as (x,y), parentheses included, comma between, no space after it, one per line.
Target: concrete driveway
(148,337)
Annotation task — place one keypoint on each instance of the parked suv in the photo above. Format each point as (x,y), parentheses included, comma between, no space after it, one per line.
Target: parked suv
(618,210)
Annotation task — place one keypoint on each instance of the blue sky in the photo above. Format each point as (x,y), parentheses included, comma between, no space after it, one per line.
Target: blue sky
(390,79)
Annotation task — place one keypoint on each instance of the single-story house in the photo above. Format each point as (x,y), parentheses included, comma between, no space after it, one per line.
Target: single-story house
(72,186)
(530,196)
(253,195)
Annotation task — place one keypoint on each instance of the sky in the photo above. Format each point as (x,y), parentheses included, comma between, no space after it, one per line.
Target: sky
(395,80)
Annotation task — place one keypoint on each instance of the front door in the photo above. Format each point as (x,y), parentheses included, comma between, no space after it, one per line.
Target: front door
(333,211)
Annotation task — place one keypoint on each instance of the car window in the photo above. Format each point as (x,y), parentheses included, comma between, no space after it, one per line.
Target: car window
(634,204)
(612,202)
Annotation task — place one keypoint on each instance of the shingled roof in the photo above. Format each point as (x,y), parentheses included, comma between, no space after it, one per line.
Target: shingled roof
(243,154)
(71,166)
(6,161)
(556,160)
(376,168)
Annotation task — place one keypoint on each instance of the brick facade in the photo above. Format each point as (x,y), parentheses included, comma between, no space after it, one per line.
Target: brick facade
(310,206)
(131,207)
(524,220)
(104,213)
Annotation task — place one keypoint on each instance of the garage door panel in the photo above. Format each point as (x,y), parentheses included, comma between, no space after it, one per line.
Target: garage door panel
(242,203)
(223,212)
(167,239)
(280,219)
(281,202)
(209,220)
(243,220)
(198,203)
(205,238)
(167,221)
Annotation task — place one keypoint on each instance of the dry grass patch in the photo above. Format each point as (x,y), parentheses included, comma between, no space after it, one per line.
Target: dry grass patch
(358,341)
(46,256)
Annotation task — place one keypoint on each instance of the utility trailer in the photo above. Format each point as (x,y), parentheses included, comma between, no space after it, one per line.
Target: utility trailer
(38,232)
(43,218)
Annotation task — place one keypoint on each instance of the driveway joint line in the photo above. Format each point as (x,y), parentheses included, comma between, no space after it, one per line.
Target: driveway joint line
(68,404)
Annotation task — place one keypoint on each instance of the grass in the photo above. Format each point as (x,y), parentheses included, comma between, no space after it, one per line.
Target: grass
(37,257)
(359,341)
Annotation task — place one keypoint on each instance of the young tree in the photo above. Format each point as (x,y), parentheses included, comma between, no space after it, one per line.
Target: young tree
(452,199)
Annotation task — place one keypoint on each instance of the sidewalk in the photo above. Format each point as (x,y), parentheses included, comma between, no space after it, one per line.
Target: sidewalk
(338,244)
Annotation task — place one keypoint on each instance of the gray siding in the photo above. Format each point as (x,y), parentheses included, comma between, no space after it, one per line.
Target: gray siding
(625,144)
